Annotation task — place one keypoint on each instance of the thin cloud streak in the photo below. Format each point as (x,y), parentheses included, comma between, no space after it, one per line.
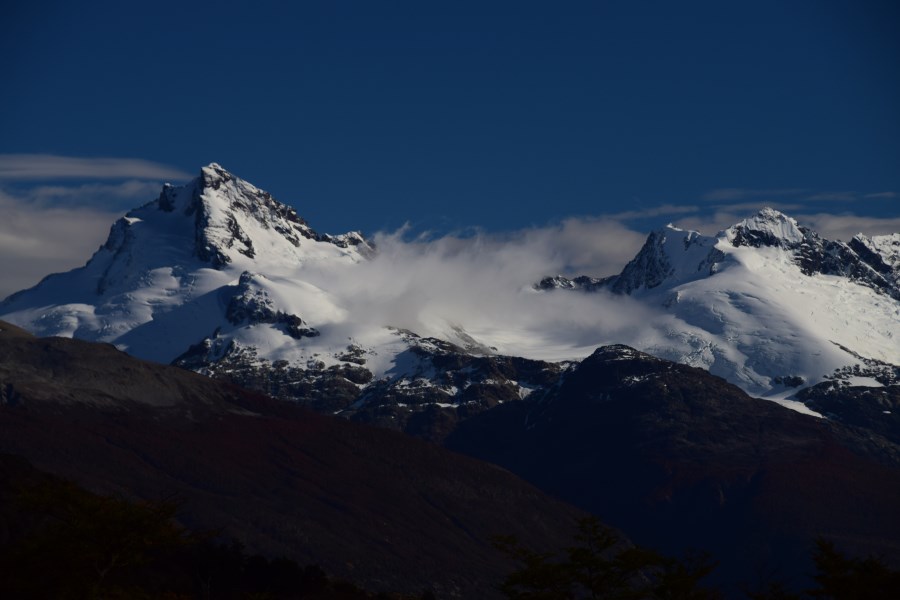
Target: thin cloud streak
(881,196)
(127,193)
(833,197)
(738,194)
(657,211)
(829,226)
(844,227)
(750,208)
(37,167)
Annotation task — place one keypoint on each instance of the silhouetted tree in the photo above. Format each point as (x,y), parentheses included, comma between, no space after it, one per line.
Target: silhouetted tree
(841,577)
(601,565)
(75,545)
(84,543)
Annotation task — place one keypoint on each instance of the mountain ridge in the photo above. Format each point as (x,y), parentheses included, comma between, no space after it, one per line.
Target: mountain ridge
(869,261)
(760,275)
(219,277)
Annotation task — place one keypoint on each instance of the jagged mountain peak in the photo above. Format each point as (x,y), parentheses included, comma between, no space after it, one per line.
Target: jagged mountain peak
(228,219)
(175,251)
(885,247)
(668,253)
(214,171)
(766,303)
(233,218)
(675,256)
(768,227)
(214,176)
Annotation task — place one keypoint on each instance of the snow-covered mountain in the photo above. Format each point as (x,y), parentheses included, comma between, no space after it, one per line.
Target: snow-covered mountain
(766,304)
(219,277)
(190,263)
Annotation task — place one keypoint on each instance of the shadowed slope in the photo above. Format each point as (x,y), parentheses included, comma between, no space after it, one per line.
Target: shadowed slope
(370,505)
(679,458)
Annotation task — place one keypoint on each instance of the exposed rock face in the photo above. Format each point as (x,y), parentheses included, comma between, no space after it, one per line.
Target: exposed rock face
(250,304)
(767,228)
(217,225)
(874,408)
(440,385)
(582,282)
(449,386)
(221,215)
(866,261)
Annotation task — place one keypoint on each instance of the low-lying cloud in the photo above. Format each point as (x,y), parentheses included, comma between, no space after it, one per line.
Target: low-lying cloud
(485,283)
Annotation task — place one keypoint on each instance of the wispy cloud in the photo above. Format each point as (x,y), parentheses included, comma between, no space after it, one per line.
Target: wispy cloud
(574,246)
(798,196)
(833,197)
(126,194)
(881,196)
(844,227)
(749,208)
(829,225)
(739,194)
(655,211)
(38,167)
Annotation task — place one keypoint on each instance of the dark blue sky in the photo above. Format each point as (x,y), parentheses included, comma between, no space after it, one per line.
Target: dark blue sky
(500,115)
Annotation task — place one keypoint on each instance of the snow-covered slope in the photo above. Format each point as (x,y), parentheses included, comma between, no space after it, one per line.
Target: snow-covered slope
(219,277)
(217,254)
(766,304)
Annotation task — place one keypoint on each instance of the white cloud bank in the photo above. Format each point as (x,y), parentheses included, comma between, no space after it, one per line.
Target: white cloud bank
(484,284)
(48,227)
(37,240)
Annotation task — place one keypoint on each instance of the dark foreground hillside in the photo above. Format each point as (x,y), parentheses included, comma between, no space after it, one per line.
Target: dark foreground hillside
(368,505)
(672,456)
(678,458)
(60,541)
